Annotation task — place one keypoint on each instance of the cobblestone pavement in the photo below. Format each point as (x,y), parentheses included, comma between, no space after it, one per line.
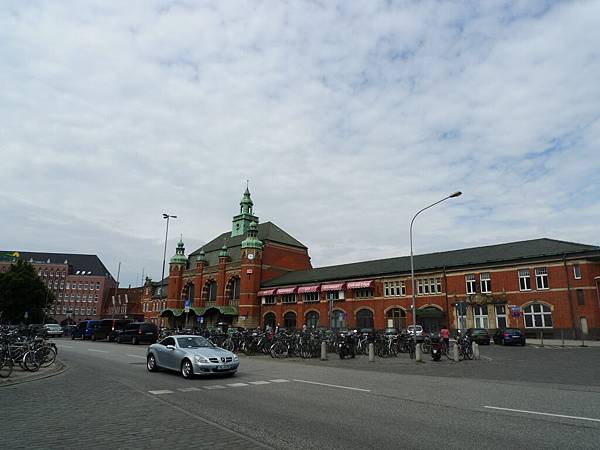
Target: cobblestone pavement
(78,410)
(19,375)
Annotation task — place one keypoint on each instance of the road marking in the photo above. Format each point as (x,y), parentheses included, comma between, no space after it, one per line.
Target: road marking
(98,351)
(137,356)
(258,382)
(190,389)
(334,386)
(486,357)
(237,384)
(65,346)
(160,392)
(279,380)
(542,413)
(216,386)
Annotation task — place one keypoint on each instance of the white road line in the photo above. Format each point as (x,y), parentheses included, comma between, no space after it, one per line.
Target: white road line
(334,386)
(542,413)
(485,357)
(190,389)
(216,386)
(160,392)
(98,351)
(137,356)
(279,380)
(258,382)
(64,346)
(237,384)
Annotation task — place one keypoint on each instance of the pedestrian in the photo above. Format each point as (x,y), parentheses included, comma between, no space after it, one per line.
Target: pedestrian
(445,335)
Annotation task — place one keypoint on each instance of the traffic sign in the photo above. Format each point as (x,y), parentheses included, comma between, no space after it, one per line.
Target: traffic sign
(188,304)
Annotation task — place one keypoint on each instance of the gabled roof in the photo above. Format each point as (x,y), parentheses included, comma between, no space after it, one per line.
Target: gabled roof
(267,232)
(84,263)
(490,254)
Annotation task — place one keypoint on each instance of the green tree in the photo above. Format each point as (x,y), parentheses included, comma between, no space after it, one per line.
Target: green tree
(21,290)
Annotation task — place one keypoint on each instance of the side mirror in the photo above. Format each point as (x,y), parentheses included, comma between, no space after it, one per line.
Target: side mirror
(170,347)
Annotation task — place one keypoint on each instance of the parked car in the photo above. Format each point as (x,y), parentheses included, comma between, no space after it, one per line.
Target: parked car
(391,331)
(84,329)
(109,328)
(479,335)
(137,332)
(53,330)
(507,336)
(411,329)
(191,355)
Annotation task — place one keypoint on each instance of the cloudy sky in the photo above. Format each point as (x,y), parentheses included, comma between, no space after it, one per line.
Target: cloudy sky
(347,117)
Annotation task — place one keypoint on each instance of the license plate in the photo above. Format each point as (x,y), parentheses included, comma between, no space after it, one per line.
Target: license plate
(223,366)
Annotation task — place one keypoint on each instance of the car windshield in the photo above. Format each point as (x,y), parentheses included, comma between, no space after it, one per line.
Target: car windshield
(193,342)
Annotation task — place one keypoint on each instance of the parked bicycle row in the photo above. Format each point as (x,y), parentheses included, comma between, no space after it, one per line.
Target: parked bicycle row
(21,347)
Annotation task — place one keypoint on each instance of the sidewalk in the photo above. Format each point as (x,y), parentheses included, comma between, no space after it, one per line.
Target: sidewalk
(568,343)
(19,375)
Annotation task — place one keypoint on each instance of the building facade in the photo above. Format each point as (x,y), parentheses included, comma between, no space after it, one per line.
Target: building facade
(80,283)
(257,274)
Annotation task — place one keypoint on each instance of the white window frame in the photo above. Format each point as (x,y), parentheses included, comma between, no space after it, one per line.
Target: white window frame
(541,279)
(470,284)
(363,293)
(485,281)
(544,311)
(268,300)
(524,280)
(480,319)
(335,295)
(501,315)
(577,271)
(288,298)
(310,297)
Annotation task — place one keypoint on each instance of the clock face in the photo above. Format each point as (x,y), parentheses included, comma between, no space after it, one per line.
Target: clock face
(250,255)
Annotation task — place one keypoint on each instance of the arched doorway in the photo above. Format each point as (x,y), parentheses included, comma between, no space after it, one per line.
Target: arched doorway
(364,319)
(338,319)
(289,320)
(270,320)
(430,318)
(312,319)
(396,317)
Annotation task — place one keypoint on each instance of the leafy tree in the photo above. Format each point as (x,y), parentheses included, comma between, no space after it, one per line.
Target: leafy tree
(22,290)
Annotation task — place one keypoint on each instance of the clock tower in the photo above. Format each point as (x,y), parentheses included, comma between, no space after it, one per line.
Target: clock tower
(242,221)
(250,275)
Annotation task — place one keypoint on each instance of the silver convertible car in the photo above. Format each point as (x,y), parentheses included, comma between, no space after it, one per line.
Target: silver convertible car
(191,355)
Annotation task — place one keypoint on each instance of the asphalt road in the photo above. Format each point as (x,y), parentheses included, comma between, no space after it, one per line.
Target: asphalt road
(107,399)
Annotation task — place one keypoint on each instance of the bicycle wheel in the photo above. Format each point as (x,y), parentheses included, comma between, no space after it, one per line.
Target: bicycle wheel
(30,362)
(228,345)
(426,346)
(45,356)
(6,367)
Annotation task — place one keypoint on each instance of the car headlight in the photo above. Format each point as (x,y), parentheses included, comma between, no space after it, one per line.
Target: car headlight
(201,359)
(236,358)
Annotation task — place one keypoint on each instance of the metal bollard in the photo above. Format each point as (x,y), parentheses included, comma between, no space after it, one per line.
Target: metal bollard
(541,338)
(371,352)
(475,346)
(323,351)
(455,352)
(418,353)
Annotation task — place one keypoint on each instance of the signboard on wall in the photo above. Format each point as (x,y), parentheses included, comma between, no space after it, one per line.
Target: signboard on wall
(515,311)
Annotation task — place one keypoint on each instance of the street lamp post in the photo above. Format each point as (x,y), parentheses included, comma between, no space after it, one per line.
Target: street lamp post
(162,277)
(412,265)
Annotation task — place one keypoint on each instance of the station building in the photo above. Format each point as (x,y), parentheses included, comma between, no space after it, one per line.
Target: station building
(259,275)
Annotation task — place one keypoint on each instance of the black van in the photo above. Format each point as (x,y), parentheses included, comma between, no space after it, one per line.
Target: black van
(109,328)
(137,332)
(85,329)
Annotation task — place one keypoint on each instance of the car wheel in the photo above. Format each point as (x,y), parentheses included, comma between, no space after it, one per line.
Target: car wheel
(187,371)
(72,337)
(93,337)
(503,342)
(151,363)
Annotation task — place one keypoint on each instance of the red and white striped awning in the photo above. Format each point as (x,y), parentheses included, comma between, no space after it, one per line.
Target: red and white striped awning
(288,290)
(332,287)
(359,284)
(305,289)
(266,293)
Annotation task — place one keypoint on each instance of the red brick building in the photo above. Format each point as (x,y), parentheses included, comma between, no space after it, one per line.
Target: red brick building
(80,283)
(259,274)
(126,304)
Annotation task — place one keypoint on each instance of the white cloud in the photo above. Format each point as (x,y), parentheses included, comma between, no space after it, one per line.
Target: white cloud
(347,117)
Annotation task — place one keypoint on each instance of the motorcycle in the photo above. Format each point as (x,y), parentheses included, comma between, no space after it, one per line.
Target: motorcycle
(346,346)
(436,347)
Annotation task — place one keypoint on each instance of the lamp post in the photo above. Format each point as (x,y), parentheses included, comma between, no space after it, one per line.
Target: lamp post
(162,277)
(412,265)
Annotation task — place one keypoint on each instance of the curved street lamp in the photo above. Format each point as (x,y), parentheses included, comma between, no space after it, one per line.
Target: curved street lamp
(165,216)
(412,265)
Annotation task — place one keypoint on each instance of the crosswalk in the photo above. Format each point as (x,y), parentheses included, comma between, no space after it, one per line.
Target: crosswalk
(213,387)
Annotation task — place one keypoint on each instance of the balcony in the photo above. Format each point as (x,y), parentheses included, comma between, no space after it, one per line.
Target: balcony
(210,303)
(234,302)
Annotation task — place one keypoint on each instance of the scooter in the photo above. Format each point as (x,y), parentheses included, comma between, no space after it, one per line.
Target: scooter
(436,347)
(346,346)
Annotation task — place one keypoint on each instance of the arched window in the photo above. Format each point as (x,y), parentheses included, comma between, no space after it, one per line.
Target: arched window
(289,320)
(312,319)
(537,316)
(189,292)
(338,319)
(397,316)
(209,293)
(364,319)
(270,320)
(233,291)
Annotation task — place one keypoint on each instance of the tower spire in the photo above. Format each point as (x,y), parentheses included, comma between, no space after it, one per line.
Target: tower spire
(242,221)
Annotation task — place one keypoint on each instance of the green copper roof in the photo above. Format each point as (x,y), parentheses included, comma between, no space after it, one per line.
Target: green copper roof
(179,257)
(251,240)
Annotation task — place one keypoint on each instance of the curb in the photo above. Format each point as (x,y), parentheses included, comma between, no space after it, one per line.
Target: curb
(57,368)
